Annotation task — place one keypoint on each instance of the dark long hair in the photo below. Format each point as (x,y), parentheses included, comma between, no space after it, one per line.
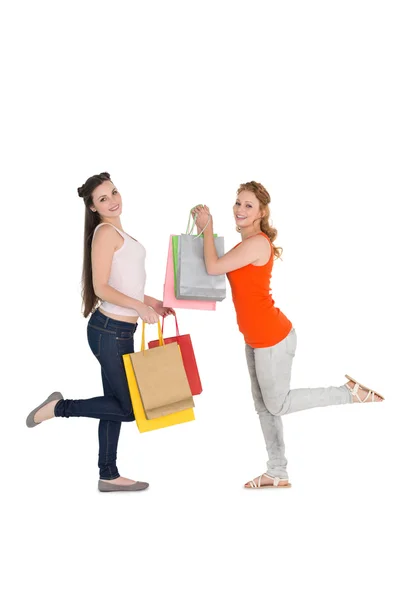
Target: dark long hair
(92,219)
(264,199)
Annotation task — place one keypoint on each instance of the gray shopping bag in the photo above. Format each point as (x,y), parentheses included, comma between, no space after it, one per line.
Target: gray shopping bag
(193,281)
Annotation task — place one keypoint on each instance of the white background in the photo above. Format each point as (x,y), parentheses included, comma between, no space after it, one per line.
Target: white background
(181,102)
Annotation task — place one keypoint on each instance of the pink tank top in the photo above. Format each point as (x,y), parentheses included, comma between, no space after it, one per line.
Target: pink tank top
(127,274)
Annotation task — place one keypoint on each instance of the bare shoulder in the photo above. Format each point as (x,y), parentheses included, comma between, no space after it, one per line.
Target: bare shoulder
(258,241)
(106,234)
(262,247)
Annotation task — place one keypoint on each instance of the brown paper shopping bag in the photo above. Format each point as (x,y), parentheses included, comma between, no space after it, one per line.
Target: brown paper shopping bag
(161,378)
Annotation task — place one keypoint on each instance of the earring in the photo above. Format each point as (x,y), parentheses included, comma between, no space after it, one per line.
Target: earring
(238,228)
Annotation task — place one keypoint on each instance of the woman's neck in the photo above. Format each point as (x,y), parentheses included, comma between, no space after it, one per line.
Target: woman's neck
(249,233)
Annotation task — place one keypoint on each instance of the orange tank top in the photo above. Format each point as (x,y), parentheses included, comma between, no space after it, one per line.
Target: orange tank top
(261,323)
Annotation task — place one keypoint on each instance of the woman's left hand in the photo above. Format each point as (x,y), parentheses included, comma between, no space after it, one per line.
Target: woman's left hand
(161,310)
(203,217)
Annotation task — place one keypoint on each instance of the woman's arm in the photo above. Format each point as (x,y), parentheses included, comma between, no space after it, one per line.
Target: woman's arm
(158,306)
(248,252)
(150,301)
(111,295)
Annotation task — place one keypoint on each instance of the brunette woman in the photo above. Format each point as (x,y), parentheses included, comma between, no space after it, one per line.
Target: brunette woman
(113,282)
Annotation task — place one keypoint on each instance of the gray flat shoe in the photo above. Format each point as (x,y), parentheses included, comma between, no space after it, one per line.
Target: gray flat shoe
(105,486)
(54,396)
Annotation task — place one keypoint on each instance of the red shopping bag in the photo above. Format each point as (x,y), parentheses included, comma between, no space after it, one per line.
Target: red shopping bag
(189,360)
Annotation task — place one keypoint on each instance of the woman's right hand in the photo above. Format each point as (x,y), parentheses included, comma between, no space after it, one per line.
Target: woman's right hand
(147,314)
(203,217)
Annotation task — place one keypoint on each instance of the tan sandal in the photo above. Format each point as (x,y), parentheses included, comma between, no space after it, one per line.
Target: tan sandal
(256,483)
(357,386)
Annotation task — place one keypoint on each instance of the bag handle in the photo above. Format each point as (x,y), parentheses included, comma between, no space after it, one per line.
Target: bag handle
(160,336)
(194,222)
(176,325)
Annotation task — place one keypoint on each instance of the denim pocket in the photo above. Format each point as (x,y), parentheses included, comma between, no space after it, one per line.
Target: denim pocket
(125,346)
(291,343)
(124,335)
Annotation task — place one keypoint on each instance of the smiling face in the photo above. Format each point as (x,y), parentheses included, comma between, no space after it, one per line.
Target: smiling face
(247,210)
(107,200)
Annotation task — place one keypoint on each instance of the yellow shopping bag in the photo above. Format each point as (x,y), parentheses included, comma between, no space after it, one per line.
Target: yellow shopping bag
(142,423)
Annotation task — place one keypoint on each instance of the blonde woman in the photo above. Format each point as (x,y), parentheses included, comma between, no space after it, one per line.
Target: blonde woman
(270,338)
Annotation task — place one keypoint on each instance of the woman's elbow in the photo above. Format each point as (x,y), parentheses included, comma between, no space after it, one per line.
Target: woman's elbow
(209,269)
(213,270)
(98,290)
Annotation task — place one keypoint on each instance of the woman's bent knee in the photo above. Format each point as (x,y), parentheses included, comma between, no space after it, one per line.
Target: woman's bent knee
(276,406)
(130,416)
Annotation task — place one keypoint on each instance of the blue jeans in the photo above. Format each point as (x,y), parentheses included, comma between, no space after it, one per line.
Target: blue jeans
(108,340)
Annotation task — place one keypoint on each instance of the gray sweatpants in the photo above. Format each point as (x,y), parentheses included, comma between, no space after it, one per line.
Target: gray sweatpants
(270,371)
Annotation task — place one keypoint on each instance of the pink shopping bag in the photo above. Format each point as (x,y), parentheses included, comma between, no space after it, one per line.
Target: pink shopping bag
(169,289)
